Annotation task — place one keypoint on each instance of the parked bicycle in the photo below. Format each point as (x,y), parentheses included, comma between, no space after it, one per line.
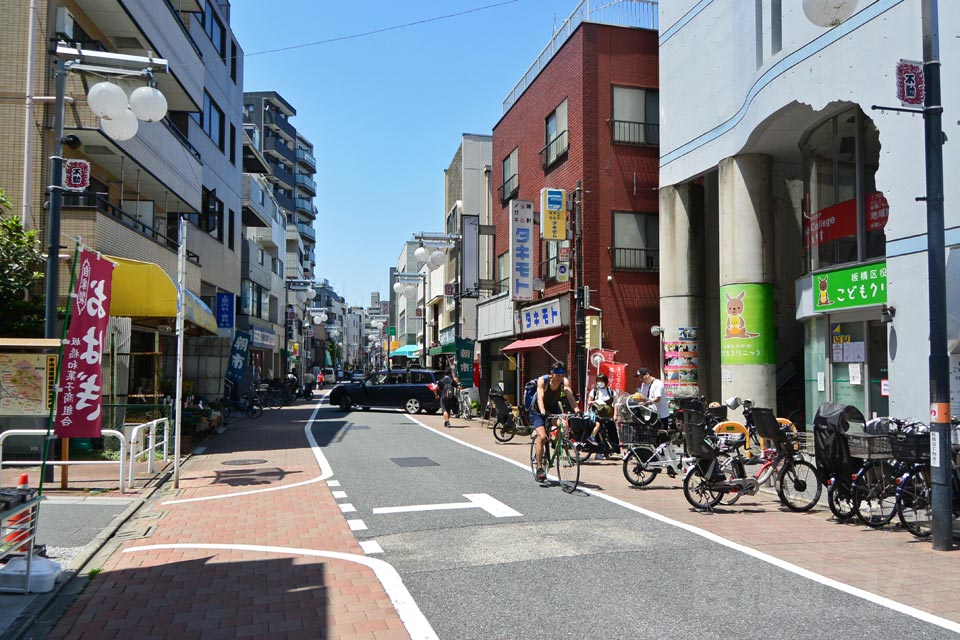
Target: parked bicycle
(245,405)
(915,488)
(559,453)
(506,425)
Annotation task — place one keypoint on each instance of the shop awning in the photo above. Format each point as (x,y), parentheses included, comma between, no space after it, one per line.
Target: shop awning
(408,350)
(518,346)
(144,292)
(444,348)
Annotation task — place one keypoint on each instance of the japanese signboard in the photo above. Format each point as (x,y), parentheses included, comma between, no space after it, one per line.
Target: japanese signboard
(76,174)
(225,308)
(563,272)
(840,220)
(26,383)
(238,356)
(465,362)
(746,324)
(681,364)
(596,358)
(522,259)
(853,287)
(470,255)
(910,84)
(79,399)
(547,315)
(553,214)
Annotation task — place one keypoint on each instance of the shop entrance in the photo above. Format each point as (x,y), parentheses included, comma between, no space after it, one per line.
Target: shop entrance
(857,365)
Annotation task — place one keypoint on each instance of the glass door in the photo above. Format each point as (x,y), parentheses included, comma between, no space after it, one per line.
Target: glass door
(847,355)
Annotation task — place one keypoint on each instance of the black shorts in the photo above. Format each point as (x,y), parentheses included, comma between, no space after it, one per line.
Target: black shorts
(450,404)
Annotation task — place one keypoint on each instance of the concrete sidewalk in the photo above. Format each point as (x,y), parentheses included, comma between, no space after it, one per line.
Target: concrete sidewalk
(889,562)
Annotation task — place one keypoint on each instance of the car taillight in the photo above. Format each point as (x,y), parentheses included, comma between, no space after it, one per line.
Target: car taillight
(432,386)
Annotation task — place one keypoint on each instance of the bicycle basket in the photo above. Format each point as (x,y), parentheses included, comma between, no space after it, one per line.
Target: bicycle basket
(910,447)
(869,446)
(638,433)
(579,428)
(695,434)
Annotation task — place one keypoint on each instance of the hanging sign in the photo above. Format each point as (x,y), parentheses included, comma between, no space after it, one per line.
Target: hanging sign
(76,174)
(225,308)
(238,356)
(79,399)
(553,214)
(910,83)
(465,348)
(522,260)
(563,272)
(854,287)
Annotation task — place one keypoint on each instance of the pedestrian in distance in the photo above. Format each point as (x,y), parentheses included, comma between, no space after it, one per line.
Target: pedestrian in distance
(552,391)
(448,397)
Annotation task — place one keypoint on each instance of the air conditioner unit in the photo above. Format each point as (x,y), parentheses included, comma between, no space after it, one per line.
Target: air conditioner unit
(64,24)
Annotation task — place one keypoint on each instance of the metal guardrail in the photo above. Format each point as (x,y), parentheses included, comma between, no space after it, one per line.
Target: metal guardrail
(64,463)
(135,439)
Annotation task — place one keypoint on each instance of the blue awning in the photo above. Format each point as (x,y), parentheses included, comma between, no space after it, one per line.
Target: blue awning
(407,350)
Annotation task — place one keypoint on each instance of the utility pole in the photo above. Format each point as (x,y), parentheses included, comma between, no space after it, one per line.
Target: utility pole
(581,320)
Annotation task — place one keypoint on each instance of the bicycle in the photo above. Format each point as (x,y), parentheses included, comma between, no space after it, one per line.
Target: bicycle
(559,452)
(506,425)
(245,404)
(650,450)
(836,464)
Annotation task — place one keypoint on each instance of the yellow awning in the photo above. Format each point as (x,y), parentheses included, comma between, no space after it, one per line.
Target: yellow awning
(143,291)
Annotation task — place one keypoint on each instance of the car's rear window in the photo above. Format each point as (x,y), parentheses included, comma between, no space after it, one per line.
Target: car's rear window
(421,377)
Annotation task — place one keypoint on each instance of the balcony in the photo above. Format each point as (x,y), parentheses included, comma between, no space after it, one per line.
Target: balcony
(305,158)
(635,133)
(509,188)
(282,175)
(305,206)
(635,259)
(307,231)
(304,183)
(285,201)
(276,147)
(555,150)
(278,122)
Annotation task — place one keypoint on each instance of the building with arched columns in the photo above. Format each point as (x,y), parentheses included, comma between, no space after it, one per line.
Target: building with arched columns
(795,201)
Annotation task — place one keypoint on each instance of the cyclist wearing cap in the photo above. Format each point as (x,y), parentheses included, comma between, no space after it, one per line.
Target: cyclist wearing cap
(652,391)
(551,390)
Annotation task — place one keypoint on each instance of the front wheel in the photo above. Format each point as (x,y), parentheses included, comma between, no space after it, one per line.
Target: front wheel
(875,493)
(254,411)
(503,432)
(412,406)
(636,469)
(915,508)
(840,499)
(698,489)
(798,485)
(568,465)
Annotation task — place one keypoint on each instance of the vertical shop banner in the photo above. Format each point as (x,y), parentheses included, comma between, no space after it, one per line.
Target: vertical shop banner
(79,401)
(521,250)
(238,357)
(225,308)
(681,364)
(595,358)
(616,373)
(470,256)
(465,362)
(746,324)
(553,214)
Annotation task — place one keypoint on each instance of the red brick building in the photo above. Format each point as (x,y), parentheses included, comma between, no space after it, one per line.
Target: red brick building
(590,115)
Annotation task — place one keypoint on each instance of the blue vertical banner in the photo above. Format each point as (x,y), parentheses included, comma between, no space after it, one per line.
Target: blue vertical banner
(238,356)
(225,307)
(521,250)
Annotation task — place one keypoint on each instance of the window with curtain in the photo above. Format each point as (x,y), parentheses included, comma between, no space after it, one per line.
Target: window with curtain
(556,141)
(511,181)
(636,116)
(636,241)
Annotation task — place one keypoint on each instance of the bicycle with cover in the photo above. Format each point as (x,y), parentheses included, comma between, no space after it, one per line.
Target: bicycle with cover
(506,425)
(559,453)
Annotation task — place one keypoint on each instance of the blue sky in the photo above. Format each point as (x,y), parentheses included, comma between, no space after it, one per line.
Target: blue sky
(385,111)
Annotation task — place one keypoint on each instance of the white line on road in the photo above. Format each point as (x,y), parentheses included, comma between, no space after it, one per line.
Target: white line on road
(413,619)
(475,501)
(759,555)
(371,547)
(339,495)
(333,483)
(357,525)
(346,507)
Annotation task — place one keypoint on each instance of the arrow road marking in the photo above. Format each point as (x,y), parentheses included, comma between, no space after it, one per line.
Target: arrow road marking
(476,501)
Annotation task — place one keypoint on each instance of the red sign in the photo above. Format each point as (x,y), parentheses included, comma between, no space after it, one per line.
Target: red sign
(910,84)
(76,175)
(840,220)
(81,376)
(593,368)
(616,374)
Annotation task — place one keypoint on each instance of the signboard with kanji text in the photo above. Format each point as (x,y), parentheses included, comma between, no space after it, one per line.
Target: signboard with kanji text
(852,287)
(76,174)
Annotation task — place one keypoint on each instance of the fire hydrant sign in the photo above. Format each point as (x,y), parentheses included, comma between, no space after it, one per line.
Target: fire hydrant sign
(76,174)
(79,400)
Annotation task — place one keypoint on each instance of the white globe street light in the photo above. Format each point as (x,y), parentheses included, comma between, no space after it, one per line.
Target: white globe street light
(148,104)
(123,127)
(301,296)
(323,316)
(410,292)
(828,13)
(398,287)
(311,293)
(437,259)
(107,100)
(422,254)
(317,320)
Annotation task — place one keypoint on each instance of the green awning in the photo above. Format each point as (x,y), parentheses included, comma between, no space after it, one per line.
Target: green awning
(444,348)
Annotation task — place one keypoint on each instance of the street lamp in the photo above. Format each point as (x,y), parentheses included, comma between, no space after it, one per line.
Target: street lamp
(657,332)
(406,283)
(939,360)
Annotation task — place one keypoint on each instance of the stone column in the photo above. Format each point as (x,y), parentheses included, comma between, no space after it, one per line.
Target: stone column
(747,340)
(681,273)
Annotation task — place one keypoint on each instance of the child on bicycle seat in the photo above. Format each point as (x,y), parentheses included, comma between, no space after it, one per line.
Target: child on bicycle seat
(602,404)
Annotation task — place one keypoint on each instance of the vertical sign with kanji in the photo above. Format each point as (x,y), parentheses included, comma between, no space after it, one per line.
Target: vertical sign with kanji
(465,362)
(553,214)
(910,84)
(238,356)
(521,250)
(76,174)
(79,399)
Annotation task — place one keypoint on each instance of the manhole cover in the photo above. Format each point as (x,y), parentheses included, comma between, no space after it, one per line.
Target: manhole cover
(245,461)
(415,462)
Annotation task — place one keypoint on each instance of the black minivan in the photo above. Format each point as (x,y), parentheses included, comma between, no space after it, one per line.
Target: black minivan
(413,390)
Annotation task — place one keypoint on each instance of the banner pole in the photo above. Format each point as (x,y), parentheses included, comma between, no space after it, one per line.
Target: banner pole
(181,294)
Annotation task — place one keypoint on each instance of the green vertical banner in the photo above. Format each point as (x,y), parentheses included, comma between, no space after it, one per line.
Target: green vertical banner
(465,362)
(747,324)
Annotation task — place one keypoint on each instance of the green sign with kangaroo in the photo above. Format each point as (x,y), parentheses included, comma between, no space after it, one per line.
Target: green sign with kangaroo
(746,324)
(860,286)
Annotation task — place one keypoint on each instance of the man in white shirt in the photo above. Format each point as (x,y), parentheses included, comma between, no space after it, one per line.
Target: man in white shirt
(652,391)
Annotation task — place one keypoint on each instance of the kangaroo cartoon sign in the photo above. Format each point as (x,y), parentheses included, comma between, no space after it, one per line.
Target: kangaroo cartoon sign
(746,329)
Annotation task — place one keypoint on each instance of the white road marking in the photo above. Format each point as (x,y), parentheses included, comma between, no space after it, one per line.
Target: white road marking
(475,501)
(357,525)
(759,555)
(333,483)
(339,495)
(346,507)
(371,547)
(325,471)
(413,619)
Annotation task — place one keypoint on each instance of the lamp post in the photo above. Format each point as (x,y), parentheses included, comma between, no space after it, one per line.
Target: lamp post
(442,242)
(831,13)
(657,332)
(409,291)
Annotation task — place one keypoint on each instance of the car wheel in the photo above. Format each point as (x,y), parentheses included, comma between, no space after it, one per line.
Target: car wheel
(412,406)
(345,403)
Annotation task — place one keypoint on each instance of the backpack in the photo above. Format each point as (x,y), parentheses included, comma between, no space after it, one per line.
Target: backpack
(447,388)
(530,393)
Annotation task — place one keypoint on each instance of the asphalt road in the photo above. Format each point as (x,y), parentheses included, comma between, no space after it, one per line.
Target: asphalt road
(569,566)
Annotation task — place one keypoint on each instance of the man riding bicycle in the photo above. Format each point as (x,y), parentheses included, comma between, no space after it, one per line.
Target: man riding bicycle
(551,391)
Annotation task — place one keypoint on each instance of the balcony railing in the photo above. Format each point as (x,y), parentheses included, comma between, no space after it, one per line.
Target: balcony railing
(304,205)
(274,119)
(304,157)
(282,174)
(555,150)
(285,201)
(509,188)
(273,144)
(307,231)
(182,139)
(98,202)
(304,182)
(639,133)
(635,259)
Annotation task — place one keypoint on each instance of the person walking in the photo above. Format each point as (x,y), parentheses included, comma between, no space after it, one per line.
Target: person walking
(448,397)
(552,389)
(651,391)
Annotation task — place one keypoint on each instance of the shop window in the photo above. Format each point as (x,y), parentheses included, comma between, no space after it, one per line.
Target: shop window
(844,217)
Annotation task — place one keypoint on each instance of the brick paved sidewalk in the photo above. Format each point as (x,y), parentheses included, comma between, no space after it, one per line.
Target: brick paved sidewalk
(235,593)
(888,562)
